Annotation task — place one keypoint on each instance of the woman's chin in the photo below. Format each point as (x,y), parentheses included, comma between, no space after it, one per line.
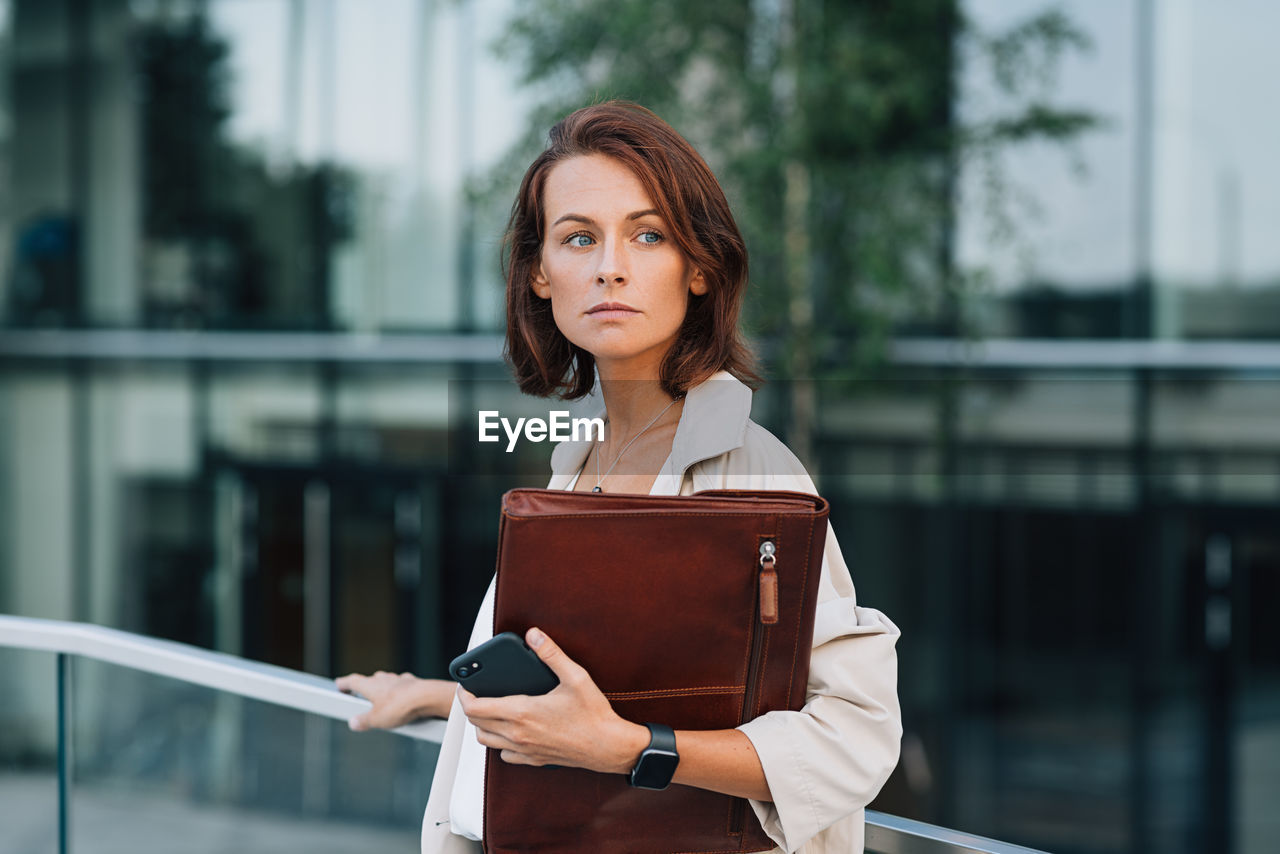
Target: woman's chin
(614,344)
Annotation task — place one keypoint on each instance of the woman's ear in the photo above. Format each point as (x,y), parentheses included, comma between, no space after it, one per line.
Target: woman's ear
(698,284)
(540,285)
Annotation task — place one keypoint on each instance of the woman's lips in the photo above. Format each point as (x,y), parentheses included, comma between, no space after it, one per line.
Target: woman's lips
(611,311)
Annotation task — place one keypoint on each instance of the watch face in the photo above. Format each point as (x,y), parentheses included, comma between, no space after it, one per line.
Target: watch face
(655,768)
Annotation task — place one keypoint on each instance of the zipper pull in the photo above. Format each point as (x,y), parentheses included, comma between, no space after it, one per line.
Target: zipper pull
(768,583)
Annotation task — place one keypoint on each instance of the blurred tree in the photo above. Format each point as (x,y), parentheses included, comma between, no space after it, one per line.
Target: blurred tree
(833,126)
(230,241)
(183,77)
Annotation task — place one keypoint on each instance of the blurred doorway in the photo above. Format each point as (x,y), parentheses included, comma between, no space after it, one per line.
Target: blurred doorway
(340,567)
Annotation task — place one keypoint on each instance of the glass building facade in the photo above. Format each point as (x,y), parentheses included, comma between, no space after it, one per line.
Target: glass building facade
(246,282)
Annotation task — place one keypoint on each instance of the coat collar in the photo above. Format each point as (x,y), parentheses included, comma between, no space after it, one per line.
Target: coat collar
(713,422)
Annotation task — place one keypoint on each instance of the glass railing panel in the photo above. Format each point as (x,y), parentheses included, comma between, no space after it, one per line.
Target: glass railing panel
(28,752)
(148,757)
(162,765)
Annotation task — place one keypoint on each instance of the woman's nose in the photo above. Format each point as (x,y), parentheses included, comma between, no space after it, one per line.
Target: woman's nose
(613,265)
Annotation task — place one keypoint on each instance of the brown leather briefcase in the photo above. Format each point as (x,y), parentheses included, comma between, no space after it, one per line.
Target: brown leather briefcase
(684,615)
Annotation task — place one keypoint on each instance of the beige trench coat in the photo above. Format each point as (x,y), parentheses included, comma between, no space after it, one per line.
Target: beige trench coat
(823,763)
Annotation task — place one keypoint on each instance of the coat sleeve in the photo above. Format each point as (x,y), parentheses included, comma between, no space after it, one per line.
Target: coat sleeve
(829,759)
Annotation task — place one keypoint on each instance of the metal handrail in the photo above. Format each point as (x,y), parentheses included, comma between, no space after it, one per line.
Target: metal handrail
(267,682)
(885,834)
(891,834)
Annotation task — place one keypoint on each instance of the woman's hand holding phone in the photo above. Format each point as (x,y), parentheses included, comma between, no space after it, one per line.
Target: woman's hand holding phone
(502,666)
(573,725)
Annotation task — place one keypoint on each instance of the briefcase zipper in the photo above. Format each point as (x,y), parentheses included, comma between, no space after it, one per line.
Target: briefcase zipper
(767,614)
(768,583)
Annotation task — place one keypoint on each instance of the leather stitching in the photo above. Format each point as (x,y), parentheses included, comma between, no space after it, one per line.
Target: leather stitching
(675,692)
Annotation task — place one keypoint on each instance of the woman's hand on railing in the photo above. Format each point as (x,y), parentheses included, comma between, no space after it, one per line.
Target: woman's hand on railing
(397,698)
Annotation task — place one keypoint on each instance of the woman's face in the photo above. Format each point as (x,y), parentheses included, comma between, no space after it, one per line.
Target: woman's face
(619,285)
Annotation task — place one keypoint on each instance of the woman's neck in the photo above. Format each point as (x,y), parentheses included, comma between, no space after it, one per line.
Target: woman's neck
(631,403)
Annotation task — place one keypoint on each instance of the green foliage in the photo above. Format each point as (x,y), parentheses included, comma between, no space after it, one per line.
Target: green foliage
(257,240)
(183,79)
(832,125)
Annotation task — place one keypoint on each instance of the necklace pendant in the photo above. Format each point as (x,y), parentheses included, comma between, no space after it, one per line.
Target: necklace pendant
(596,489)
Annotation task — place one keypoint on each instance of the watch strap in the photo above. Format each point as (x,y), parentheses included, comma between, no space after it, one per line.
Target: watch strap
(657,763)
(661,737)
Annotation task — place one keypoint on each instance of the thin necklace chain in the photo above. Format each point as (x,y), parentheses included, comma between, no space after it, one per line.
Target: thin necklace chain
(601,477)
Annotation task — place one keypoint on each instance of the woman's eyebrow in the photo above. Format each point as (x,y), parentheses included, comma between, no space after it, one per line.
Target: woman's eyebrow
(573,217)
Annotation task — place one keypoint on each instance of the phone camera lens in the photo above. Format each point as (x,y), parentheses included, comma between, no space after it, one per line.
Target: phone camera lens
(463,671)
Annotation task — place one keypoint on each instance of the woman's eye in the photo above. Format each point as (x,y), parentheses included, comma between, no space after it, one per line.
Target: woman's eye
(650,237)
(579,240)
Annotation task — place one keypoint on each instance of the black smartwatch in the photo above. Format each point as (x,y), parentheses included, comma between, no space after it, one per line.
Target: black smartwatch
(658,761)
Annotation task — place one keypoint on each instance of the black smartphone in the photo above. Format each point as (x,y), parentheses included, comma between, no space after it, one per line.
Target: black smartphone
(502,666)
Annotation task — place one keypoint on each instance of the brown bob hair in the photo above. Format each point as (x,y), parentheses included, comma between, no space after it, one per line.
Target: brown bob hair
(691,202)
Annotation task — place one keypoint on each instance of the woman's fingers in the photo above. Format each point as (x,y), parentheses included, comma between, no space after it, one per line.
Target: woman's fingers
(482,710)
(565,668)
(391,695)
(512,757)
(491,738)
(508,750)
(349,682)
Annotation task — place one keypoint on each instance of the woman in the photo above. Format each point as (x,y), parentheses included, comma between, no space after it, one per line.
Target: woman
(624,260)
